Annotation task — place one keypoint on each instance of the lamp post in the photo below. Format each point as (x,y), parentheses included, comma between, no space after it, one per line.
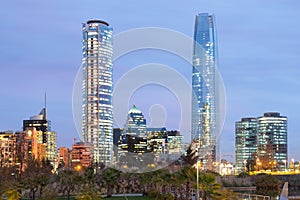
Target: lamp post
(245,167)
(197,168)
(197,195)
(284,161)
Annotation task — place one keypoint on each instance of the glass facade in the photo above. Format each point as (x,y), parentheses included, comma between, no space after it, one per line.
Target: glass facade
(133,142)
(45,135)
(245,142)
(272,131)
(136,123)
(203,84)
(97,114)
(134,138)
(40,123)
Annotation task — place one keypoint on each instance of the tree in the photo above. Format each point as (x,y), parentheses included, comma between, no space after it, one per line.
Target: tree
(145,180)
(188,175)
(210,188)
(12,194)
(68,180)
(110,177)
(36,176)
(90,177)
(9,181)
(190,158)
(266,161)
(177,182)
(267,185)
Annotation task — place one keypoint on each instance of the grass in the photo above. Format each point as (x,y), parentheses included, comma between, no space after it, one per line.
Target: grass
(114,198)
(129,198)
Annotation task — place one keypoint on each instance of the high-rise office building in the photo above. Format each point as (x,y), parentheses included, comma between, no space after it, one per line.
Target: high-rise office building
(30,146)
(132,147)
(136,122)
(261,143)
(97,110)
(175,144)
(272,138)
(245,143)
(41,125)
(203,84)
(39,122)
(134,137)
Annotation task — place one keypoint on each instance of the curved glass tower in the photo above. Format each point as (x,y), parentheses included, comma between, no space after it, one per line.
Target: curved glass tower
(203,84)
(97,114)
(272,133)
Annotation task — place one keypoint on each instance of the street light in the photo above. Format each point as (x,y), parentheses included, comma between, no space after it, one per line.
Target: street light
(284,161)
(197,167)
(245,167)
(197,195)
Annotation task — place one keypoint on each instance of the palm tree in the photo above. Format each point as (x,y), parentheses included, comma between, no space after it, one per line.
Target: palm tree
(210,188)
(166,179)
(110,177)
(190,158)
(188,176)
(144,181)
(178,180)
(90,177)
(68,180)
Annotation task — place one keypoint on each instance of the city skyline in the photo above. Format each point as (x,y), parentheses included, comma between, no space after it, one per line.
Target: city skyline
(256,58)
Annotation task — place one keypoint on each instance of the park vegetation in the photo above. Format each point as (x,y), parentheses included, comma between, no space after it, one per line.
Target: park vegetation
(39,181)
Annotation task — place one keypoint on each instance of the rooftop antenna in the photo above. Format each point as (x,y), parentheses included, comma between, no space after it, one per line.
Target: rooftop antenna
(45,118)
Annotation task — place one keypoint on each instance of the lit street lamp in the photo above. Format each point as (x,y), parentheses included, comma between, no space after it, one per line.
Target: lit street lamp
(284,161)
(245,167)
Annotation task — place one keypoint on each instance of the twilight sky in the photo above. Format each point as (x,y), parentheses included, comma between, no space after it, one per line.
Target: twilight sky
(258,45)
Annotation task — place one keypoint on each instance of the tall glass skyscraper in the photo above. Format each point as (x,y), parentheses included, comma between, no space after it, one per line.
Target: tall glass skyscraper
(245,143)
(203,84)
(272,133)
(97,110)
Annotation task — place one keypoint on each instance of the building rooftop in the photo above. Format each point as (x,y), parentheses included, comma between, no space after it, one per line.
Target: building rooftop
(97,21)
(134,109)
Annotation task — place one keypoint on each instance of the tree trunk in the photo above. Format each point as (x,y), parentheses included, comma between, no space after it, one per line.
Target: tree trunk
(188,192)
(41,191)
(68,194)
(109,191)
(175,193)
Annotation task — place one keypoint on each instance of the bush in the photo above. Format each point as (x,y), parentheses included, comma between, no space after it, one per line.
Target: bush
(267,185)
(169,196)
(155,194)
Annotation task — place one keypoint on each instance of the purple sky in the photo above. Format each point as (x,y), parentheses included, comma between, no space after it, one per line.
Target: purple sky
(258,56)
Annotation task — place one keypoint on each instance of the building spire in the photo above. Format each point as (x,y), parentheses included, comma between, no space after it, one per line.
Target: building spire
(45,116)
